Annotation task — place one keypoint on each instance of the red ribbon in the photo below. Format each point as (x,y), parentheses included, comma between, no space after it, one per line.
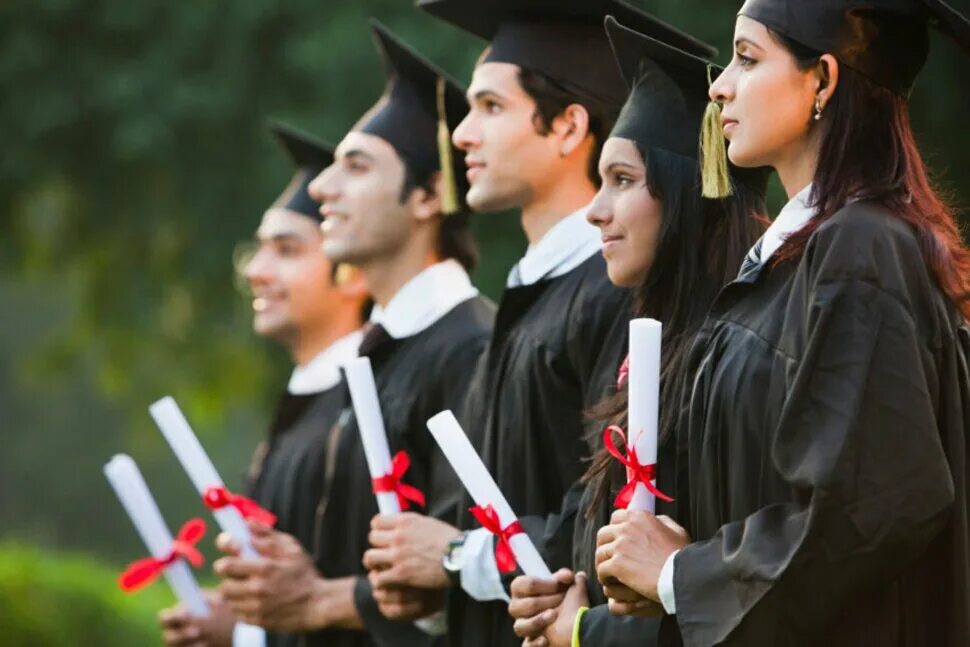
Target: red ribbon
(392,482)
(488,517)
(218,497)
(623,375)
(636,473)
(145,571)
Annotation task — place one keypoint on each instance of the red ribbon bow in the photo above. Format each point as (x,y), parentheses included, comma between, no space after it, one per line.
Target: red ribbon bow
(218,497)
(623,375)
(392,482)
(145,571)
(488,517)
(636,473)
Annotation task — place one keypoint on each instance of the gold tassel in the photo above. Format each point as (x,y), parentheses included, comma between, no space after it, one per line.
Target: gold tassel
(715,177)
(449,197)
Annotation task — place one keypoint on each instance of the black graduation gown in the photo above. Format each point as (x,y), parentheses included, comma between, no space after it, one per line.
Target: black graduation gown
(555,351)
(292,481)
(417,377)
(827,452)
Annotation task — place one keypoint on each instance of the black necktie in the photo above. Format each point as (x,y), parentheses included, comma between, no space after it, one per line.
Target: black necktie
(751,264)
(375,337)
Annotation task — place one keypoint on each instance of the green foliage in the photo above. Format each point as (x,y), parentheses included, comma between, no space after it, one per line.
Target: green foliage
(64,601)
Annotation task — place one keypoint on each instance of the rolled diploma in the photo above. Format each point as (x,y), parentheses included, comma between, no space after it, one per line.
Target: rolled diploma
(202,472)
(126,479)
(482,487)
(644,400)
(370,422)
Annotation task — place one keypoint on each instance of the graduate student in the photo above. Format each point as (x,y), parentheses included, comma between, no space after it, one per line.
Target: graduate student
(542,99)
(827,429)
(315,309)
(673,249)
(394,208)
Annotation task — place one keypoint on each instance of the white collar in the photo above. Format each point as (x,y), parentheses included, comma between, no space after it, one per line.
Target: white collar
(425,299)
(563,248)
(791,218)
(323,371)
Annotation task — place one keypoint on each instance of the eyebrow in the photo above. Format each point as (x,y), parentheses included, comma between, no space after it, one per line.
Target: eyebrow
(356,152)
(746,41)
(614,165)
(281,237)
(485,94)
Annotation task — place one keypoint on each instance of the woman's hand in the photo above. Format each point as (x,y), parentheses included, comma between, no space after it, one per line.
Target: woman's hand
(630,554)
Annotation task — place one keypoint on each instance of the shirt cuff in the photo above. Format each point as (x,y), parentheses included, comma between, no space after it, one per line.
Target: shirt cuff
(434,625)
(479,573)
(665,585)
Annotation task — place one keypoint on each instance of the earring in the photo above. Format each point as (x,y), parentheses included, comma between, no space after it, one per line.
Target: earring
(818,108)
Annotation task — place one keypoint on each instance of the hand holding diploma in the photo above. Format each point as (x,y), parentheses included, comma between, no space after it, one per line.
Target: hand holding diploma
(227,508)
(512,546)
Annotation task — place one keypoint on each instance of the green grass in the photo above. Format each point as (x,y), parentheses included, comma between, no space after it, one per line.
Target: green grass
(65,600)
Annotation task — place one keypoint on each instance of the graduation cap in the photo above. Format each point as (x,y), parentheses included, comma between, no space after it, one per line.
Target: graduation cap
(668,99)
(562,39)
(885,40)
(310,156)
(420,107)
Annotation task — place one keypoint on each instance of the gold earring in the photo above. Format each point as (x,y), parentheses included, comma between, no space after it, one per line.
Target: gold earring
(818,108)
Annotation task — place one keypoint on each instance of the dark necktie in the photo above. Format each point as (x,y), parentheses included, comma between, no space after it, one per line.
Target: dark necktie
(375,337)
(752,262)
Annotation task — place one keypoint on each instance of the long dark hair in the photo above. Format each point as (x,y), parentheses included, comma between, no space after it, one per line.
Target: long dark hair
(869,152)
(699,250)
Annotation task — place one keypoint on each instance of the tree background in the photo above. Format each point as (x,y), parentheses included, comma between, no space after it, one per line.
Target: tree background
(135,160)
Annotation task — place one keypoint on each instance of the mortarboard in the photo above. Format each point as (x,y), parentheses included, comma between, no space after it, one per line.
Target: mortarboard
(668,98)
(885,40)
(562,39)
(310,156)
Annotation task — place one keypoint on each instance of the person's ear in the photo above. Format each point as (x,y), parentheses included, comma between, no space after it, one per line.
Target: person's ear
(827,73)
(425,203)
(571,127)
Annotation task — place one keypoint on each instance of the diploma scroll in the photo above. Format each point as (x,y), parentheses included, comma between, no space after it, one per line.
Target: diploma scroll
(127,481)
(202,472)
(483,489)
(644,401)
(370,423)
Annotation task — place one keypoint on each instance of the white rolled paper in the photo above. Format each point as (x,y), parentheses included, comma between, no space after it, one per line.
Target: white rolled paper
(126,479)
(644,400)
(482,487)
(370,422)
(197,464)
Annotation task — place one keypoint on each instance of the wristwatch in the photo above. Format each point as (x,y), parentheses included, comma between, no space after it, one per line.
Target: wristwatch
(451,560)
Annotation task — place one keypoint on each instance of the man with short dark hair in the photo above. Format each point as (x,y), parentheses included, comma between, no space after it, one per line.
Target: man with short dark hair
(315,309)
(542,98)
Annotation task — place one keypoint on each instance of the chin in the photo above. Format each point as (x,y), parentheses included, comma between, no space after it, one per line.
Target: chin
(484,198)
(743,157)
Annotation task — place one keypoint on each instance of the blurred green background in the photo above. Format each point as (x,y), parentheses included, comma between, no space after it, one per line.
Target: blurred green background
(135,159)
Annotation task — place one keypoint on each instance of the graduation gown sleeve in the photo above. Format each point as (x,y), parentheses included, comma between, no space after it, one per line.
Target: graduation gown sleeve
(857,444)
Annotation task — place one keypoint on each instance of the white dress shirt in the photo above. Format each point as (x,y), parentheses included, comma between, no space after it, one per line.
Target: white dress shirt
(425,299)
(791,218)
(323,371)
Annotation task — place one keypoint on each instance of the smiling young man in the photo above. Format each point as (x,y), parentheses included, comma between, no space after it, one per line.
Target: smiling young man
(315,309)
(393,213)
(542,99)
